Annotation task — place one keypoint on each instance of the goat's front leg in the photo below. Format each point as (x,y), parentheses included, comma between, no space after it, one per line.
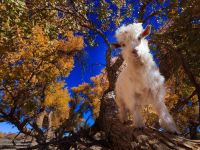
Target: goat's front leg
(123,114)
(137,117)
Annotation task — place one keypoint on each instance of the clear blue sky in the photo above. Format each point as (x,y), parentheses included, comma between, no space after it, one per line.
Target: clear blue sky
(6,128)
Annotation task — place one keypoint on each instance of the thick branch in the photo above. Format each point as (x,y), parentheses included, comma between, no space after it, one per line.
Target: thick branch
(125,136)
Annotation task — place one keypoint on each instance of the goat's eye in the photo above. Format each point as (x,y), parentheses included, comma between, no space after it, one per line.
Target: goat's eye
(139,38)
(123,45)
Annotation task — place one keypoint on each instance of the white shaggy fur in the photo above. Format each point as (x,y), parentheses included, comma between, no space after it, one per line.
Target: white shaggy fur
(140,83)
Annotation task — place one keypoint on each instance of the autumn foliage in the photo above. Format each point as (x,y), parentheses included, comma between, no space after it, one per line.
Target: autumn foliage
(29,79)
(91,94)
(38,42)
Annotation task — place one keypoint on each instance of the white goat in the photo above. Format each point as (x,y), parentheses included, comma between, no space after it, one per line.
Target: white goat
(140,82)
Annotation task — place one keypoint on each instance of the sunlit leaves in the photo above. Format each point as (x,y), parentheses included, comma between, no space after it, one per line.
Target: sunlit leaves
(91,94)
(29,75)
(57,99)
(178,37)
(177,92)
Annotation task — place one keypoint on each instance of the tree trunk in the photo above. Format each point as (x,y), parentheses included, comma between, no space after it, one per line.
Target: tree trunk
(40,119)
(50,126)
(126,137)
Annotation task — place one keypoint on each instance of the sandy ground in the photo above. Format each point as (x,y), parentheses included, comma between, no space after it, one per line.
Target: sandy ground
(6,144)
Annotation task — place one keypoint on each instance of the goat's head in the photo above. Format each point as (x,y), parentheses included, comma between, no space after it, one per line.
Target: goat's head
(131,35)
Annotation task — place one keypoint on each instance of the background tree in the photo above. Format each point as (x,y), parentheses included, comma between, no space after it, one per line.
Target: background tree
(179,60)
(89,95)
(29,82)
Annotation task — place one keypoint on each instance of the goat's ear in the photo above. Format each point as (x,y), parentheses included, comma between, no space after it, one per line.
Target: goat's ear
(115,45)
(146,32)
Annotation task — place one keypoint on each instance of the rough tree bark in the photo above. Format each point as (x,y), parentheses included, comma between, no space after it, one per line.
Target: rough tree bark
(126,137)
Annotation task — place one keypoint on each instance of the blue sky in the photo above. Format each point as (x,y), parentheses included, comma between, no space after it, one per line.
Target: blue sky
(94,59)
(6,128)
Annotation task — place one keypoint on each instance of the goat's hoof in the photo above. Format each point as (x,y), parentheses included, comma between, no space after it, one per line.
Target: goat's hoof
(175,133)
(123,121)
(140,128)
(127,122)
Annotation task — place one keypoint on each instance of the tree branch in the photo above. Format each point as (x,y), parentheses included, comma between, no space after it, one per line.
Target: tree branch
(181,104)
